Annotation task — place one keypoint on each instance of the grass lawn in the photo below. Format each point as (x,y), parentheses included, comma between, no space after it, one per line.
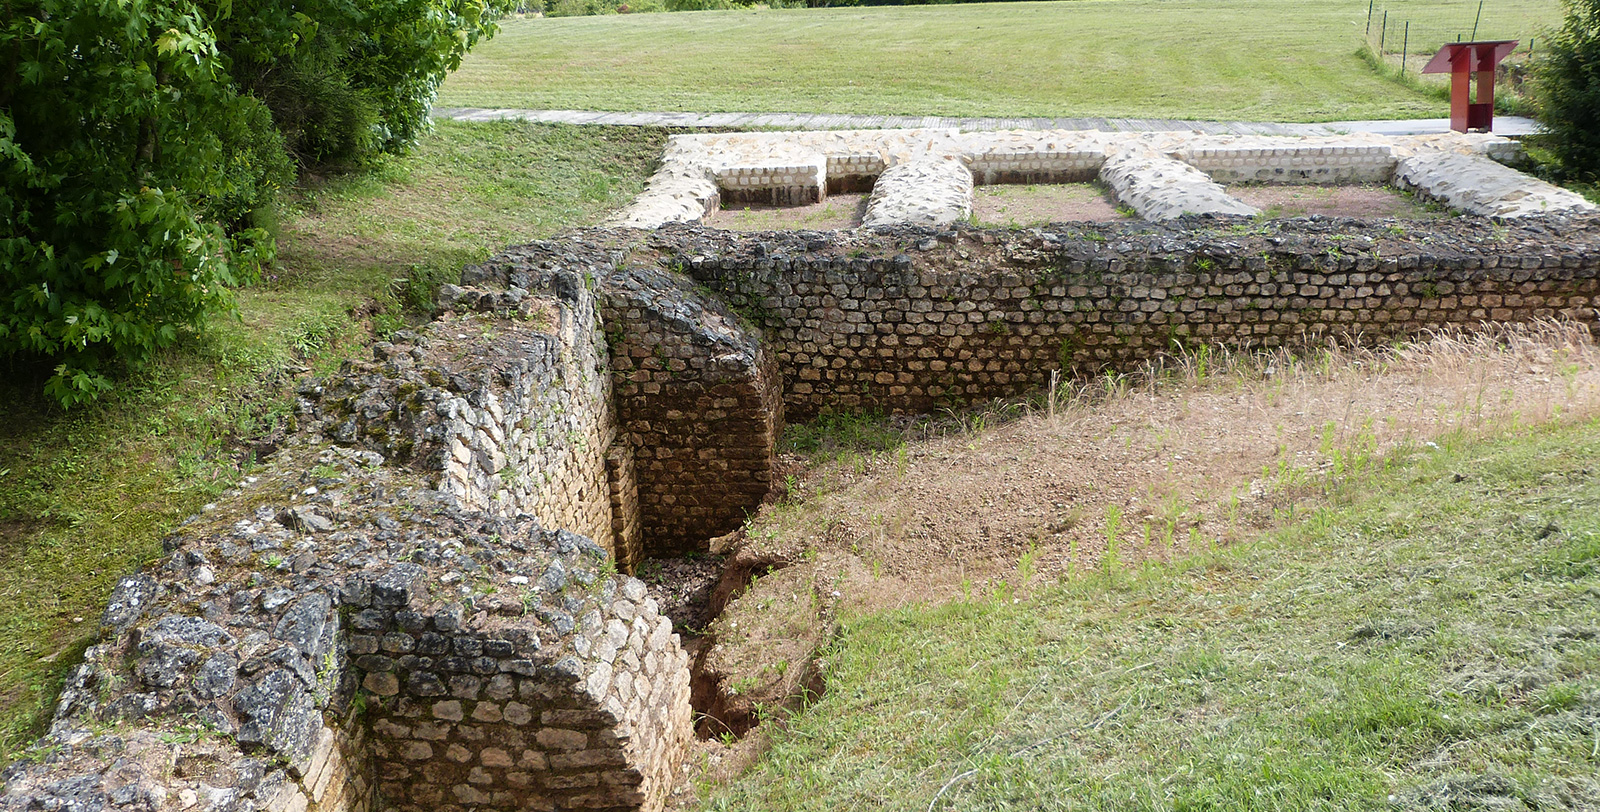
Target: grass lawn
(1433,643)
(1254,60)
(85,497)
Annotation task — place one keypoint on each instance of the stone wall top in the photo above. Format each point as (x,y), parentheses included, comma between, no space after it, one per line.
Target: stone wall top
(697,171)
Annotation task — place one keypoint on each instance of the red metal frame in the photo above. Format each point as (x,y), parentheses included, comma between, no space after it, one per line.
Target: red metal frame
(1462,60)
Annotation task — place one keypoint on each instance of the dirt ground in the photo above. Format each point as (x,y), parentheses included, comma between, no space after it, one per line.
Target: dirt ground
(1207,452)
(1216,453)
(1017,206)
(837,212)
(1366,201)
(1021,206)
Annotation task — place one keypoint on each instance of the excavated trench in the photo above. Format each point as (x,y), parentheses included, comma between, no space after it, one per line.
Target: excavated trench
(694,591)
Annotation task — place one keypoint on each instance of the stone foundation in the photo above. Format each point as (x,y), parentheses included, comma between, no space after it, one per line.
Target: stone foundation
(932,191)
(1161,188)
(697,396)
(915,320)
(1159,175)
(384,621)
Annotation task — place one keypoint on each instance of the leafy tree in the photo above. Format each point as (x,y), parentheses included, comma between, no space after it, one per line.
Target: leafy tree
(1568,86)
(138,139)
(120,161)
(348,79)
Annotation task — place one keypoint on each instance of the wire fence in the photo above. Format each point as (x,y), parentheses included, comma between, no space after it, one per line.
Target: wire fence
(1404,34)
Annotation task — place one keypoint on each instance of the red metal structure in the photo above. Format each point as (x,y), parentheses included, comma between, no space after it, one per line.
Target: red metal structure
(1461,60)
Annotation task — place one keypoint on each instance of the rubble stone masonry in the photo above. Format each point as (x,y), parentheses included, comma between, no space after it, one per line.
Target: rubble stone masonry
(420,603)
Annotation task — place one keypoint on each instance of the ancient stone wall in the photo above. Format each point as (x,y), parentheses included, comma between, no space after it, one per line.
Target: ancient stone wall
(695,393)
(540,445)
(915,319)
(1161,175)
(371,623)
(701,398)
(416,605)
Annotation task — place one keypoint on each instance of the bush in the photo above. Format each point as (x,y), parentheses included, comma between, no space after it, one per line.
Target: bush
(347,81)
(1567,83)
(119,167)
(139,142)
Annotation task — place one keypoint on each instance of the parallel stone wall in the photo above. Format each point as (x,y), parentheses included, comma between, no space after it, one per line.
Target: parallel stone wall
(700,396)
(914,319)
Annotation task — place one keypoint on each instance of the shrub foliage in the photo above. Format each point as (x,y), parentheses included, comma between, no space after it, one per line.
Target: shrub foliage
(138,139)
(1568,82)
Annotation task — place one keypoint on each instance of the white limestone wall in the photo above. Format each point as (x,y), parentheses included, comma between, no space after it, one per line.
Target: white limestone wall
(1477,185)
(929,191)
(1275,160)
(1161,175)
(1161,188)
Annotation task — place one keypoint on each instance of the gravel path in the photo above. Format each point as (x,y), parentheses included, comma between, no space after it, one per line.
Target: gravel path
(1509,126)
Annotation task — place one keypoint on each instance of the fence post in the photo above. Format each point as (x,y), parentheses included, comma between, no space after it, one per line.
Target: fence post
(1475,21)
(1370,4)
(1383,35)
(1404,43)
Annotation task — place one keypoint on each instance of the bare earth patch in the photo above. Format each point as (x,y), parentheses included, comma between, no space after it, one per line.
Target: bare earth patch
(1364,201)
(839,211)
(1020,206)
(1203,453)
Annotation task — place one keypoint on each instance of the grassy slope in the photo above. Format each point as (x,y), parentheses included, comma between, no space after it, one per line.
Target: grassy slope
(86,497)
(1198,59)
(1435,642)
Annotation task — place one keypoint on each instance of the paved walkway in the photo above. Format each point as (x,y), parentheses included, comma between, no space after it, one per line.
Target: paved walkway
(1509,126)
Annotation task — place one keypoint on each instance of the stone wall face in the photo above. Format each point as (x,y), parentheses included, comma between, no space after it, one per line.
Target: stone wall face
(1326,163)
(701,399)
(352,630)
(475,709)
(913,319)
(696,395)
(538,444)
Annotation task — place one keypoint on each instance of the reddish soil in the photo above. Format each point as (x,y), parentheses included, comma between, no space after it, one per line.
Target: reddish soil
(837,212)
(1364,201)
(1022,206)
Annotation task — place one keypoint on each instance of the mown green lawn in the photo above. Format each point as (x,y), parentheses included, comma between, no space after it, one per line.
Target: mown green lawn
(1432,644)
(85,497)
(1254,60)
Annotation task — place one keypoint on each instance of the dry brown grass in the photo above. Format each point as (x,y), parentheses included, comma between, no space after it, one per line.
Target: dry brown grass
(1193,452)
(1199,448)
